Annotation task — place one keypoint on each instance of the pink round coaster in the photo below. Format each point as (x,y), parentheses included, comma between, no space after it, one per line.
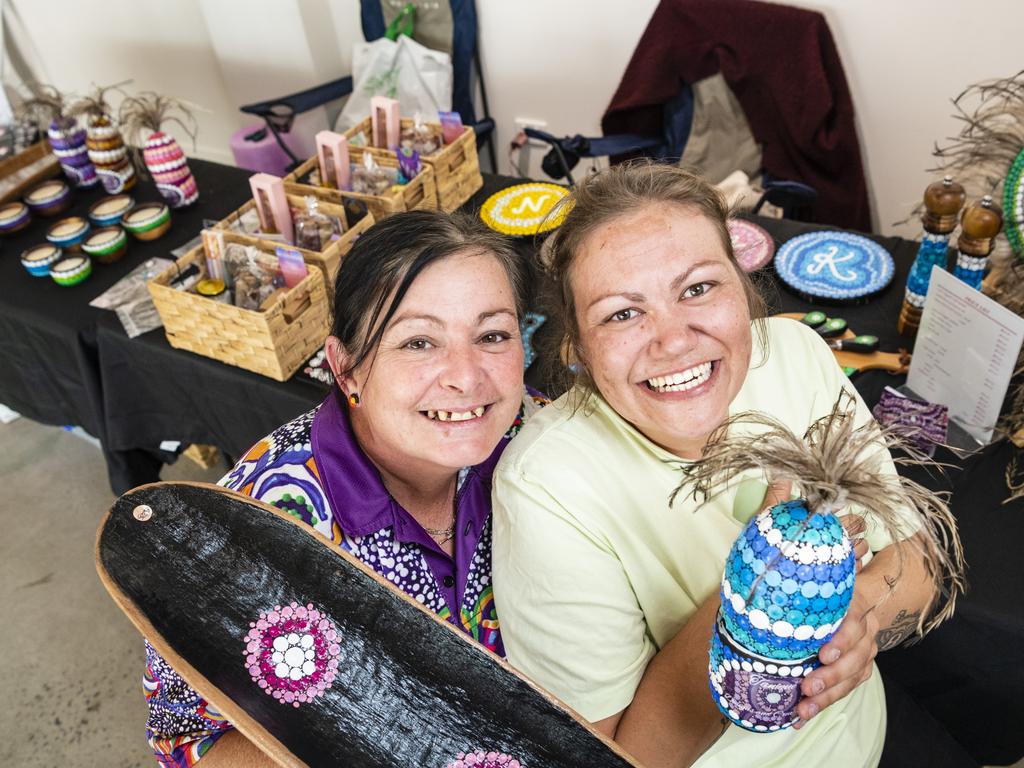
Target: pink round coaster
(752,245)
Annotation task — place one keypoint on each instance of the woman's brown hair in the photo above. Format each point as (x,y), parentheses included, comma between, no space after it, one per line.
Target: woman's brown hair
(616,192)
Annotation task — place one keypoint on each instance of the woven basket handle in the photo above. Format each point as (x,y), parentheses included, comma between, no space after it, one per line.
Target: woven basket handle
(293,308)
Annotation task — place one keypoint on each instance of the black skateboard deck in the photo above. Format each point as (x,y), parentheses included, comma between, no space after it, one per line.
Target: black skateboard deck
(309,653)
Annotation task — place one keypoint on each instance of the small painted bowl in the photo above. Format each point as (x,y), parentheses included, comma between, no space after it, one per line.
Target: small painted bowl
(49,198)
(14,217)
(68,233)
(110,210)
(39,258)
(71,271)
(106,245)
(148,221)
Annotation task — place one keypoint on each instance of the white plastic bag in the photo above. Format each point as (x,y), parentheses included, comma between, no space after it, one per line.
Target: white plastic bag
(420,78)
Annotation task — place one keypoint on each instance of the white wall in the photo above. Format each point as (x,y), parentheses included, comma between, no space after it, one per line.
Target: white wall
(160,46)
(559,62)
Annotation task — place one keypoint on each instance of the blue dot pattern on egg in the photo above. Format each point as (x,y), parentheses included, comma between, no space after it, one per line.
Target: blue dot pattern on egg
(788,582)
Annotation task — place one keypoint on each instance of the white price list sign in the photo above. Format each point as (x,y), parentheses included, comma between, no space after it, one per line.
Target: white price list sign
(966,350)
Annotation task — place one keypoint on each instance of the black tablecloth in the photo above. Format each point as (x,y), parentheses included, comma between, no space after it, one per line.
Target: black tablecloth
(68,363)
(48,342)
(151,392)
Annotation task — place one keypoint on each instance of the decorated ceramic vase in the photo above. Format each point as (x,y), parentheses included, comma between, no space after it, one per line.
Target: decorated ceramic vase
(169,167)
(787,585)
(68,143)
(109,154)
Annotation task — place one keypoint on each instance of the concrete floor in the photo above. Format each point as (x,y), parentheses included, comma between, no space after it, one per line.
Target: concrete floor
(70,681)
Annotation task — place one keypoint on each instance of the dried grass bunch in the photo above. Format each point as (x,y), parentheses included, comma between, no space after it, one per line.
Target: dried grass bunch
(991,137)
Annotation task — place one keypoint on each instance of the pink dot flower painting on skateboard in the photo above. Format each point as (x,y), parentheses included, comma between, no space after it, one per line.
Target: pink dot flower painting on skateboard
(292,653)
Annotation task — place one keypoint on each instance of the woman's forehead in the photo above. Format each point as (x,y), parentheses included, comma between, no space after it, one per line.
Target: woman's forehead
(651,237)
(463,284)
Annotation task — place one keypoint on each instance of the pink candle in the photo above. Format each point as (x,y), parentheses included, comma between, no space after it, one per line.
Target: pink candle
(332,152)
(386,125)
(272,205)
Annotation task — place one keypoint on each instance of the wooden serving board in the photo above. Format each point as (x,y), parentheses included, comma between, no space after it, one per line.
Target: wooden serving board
(207,578)
(859,361)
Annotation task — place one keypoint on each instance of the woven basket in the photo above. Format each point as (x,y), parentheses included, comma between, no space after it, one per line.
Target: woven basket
(327,260)
(456,166)
(420,193)
(25,169)
(274,343)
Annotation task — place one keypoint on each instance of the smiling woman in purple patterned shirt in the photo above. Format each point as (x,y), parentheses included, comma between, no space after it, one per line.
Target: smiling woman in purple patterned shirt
(395,465)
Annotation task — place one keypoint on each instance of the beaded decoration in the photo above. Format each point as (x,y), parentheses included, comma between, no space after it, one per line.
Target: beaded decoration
(69,147)
(527,327)
(523,210)
(832,265)
(1013,205)
(932,252)
(752,246)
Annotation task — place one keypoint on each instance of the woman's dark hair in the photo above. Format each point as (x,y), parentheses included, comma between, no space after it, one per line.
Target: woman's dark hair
(618,191)
(386,260)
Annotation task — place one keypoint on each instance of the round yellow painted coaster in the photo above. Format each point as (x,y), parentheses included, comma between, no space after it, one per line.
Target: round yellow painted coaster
(523,209)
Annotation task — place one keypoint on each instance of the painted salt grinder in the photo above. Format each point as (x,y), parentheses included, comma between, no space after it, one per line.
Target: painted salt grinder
(980,224)
(942,201)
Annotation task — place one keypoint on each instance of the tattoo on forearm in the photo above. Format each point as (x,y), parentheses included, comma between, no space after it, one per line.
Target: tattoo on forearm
(901,628)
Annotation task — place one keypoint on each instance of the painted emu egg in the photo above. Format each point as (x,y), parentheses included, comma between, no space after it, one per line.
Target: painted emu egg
(787,585)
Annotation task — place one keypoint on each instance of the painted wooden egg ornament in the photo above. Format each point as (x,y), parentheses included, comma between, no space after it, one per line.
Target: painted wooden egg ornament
(787,585)
(789,577)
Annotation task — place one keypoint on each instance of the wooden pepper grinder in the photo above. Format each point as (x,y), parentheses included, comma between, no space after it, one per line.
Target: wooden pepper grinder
(979,226)
(942,201)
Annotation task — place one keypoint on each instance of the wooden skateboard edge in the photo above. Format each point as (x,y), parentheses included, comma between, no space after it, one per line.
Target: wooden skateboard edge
(237,716)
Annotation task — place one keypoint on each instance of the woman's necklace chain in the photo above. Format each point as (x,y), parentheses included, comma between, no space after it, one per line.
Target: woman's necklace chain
(444,535)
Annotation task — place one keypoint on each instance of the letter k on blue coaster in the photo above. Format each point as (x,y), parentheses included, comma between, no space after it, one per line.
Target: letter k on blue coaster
(831,265)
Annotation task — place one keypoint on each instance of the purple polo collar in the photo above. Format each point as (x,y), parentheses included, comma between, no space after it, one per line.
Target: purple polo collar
(360,502)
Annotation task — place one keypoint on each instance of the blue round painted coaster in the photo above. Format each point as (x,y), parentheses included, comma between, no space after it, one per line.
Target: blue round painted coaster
(831,265)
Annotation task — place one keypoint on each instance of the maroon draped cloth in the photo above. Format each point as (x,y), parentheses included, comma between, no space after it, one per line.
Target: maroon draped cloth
(783,66)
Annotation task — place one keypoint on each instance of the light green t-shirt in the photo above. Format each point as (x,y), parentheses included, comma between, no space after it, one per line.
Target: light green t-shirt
(594,572)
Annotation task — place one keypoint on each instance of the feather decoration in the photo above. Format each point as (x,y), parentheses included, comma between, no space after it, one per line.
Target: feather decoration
(836,464)
(47,105)
(980,157)
(159,152)
(150,111)
(95,104)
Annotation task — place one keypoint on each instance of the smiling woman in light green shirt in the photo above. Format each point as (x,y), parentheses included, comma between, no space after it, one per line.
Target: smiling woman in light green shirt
(594,571)
(607,593)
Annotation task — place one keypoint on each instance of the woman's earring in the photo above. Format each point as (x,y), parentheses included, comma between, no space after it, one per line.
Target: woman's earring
(353,400)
